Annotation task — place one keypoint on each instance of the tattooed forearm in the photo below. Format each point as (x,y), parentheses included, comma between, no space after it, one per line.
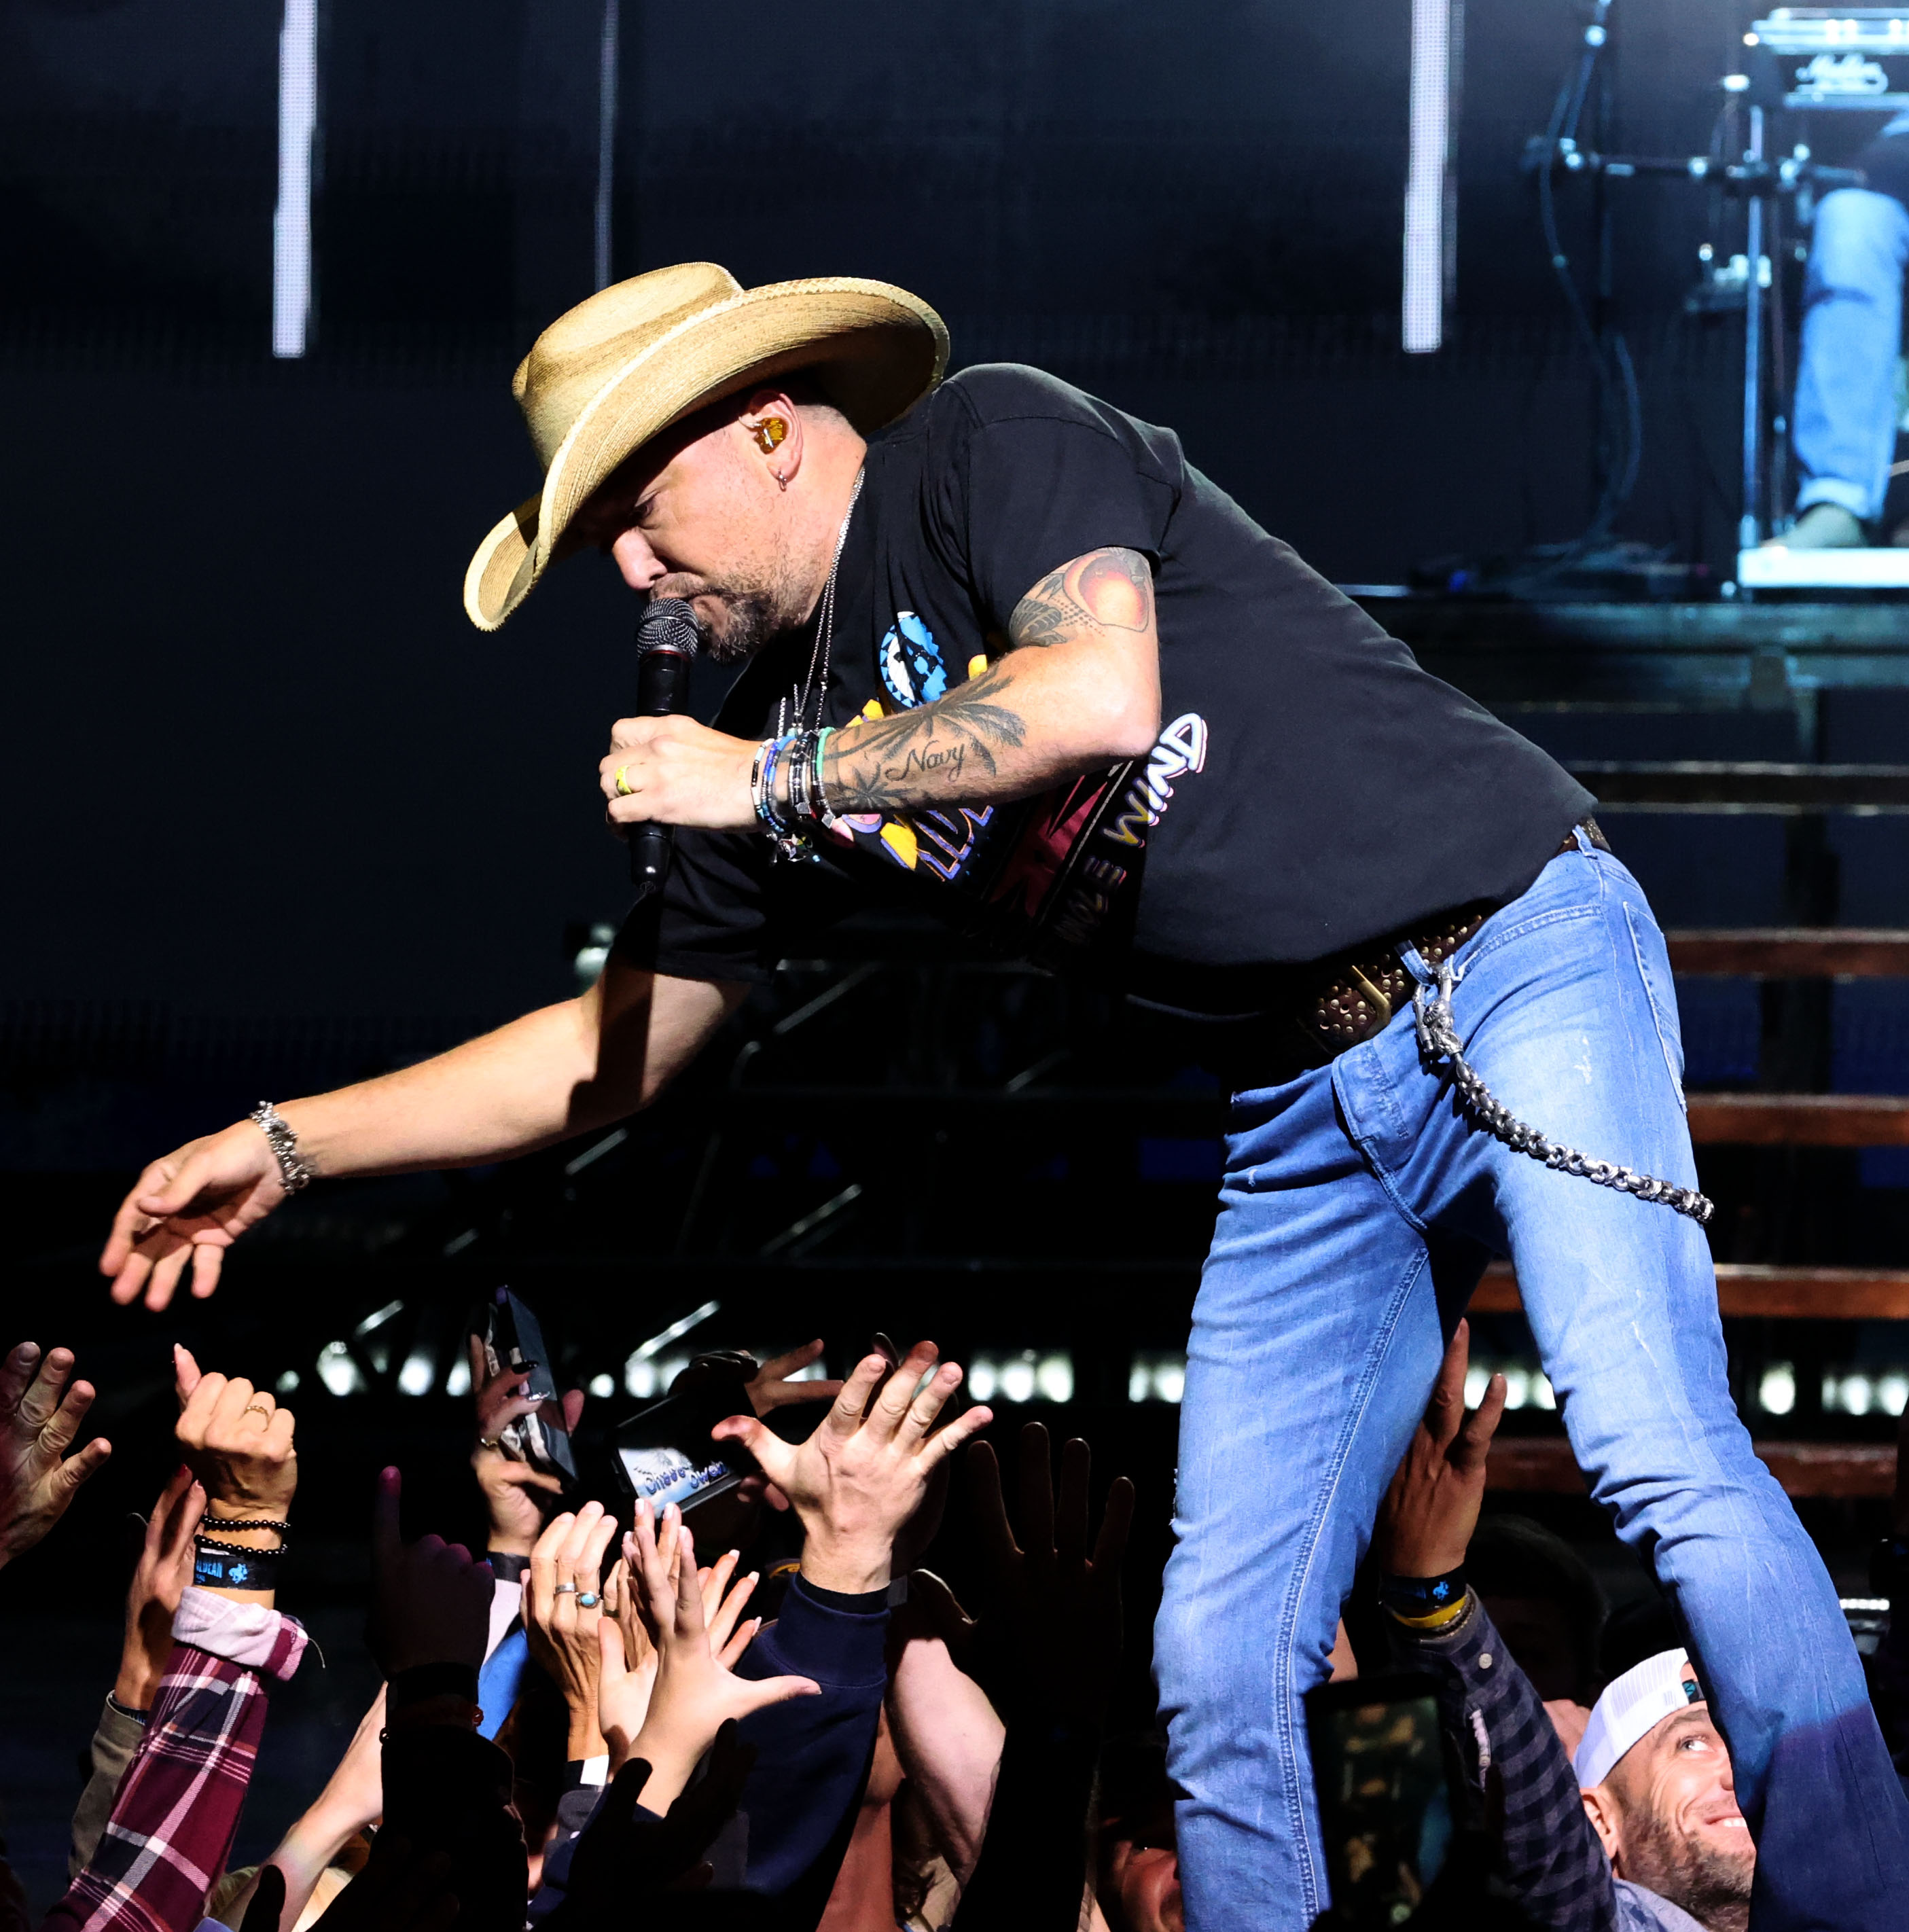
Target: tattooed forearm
(1105,590)
(935,755)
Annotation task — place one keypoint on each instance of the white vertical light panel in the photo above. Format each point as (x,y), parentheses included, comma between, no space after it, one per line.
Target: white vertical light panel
(606,137)
(1430,203)
(291,222)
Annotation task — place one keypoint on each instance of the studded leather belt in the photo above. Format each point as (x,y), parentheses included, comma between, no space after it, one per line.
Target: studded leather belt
(1358,993)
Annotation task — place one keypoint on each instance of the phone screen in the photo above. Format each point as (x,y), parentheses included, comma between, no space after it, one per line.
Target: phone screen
(664,1453)
(1386,1807)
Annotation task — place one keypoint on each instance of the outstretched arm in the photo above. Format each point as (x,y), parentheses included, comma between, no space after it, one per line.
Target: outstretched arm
(556,1072)
(1078,688)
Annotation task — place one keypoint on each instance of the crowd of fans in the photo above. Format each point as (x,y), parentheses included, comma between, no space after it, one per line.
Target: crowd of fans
(598,1723)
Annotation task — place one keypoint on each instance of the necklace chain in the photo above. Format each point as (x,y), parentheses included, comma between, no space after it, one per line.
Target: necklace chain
(816,682)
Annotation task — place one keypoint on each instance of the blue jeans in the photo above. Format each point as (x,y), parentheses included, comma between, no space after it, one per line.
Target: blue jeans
(1357,1209)
(1845,408)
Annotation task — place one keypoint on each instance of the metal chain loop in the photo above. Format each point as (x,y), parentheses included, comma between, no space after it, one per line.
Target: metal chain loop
(1438,1039)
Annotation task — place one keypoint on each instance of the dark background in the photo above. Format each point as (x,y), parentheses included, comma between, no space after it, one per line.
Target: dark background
(275,816)
(256,763)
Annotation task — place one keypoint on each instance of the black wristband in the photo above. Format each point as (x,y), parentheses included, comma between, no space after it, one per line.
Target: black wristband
(506,1566)
(1414,1596)
(217,1566)
(423,1681)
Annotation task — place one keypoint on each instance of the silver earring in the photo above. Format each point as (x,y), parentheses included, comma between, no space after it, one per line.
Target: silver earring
(782,481)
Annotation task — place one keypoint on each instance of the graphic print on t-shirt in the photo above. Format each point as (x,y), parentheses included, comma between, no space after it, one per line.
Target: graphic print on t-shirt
(912,671)
(915,673)
(1039,873)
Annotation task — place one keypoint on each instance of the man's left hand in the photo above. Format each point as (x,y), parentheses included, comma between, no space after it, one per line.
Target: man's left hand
(676,772)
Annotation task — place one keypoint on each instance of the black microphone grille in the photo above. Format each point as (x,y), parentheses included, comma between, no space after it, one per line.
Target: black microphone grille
(667,624)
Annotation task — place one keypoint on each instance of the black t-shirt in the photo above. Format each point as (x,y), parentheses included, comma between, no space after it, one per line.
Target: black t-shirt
(1312,788)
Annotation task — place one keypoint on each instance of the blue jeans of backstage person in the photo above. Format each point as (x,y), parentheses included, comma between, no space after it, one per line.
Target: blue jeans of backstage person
(1357,1209)
(1846,404)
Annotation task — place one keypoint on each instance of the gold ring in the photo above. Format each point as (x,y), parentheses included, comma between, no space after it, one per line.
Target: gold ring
(623,784)
(255,1408)
(489,1442)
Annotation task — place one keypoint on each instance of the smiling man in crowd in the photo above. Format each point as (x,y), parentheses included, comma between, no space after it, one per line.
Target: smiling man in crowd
(1005,653)
(1658,1790)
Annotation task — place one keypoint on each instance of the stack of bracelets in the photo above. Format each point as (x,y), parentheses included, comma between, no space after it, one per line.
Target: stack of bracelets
(232,1566)
(791,768)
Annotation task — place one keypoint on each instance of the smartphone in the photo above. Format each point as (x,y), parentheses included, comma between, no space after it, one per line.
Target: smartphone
(1388,1809)
(664,1453)
(513,1340)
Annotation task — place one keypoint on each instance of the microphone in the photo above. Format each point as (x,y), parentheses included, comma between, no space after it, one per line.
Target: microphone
(666,642)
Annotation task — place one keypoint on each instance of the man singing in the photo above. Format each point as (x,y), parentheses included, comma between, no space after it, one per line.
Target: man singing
(1005,650)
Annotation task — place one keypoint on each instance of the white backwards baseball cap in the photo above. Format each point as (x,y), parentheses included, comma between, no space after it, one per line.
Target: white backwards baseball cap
(1633,1706)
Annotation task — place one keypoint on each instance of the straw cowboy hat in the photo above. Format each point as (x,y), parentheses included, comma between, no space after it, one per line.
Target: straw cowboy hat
(600,381)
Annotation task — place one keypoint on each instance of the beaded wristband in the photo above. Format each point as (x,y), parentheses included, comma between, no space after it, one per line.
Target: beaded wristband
(756,795)
(228,1523)
(822,811)
(240,1549)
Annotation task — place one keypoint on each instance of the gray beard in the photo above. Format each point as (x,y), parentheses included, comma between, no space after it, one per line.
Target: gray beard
(1712,1886)
(755,617)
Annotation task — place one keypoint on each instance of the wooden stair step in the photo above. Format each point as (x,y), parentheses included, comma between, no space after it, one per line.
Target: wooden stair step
(1799,1120)
(1544,1465)
(1747,1292)
(1792,952)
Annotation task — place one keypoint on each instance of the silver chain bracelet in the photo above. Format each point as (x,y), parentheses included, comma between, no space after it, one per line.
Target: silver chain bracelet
(295,1172)
(1438,1039)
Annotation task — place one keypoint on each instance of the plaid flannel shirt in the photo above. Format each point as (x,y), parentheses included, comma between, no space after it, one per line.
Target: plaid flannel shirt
(1551,1857)
(178,1805)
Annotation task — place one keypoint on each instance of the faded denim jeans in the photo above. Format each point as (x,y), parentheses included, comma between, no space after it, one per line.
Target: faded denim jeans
(1357,1209)
(1845,410)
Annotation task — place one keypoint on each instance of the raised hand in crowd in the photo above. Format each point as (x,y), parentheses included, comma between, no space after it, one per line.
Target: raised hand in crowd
(400,1890)
(1425,1522)
(186,1210)
(628,1664)
(774,1385)
(866,1470)
(562,1605)
(353,1800)
(1047,1646)
(159,1580)
(40,1415)
(429,1602)
(696,1690)
(1050,1628)
(629,1852)
(238,1442)
(511,1486)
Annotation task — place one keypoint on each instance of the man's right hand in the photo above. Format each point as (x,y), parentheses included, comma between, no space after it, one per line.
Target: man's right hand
(189,1207)
(1426,1522)
(866,1470)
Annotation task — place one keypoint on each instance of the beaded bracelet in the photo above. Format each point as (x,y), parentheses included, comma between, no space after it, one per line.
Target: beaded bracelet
(821,796)
(240,1549)
(802,806)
